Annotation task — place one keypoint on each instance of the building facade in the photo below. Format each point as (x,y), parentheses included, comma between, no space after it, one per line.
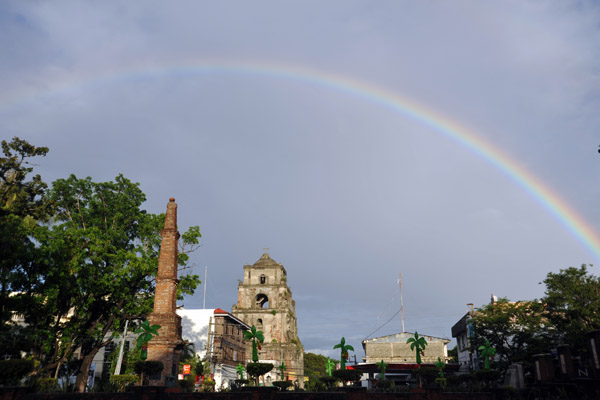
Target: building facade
(394,349)
(218,337)
(265,301)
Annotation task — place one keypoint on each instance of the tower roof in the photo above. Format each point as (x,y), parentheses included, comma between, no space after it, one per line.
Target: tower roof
(265,261)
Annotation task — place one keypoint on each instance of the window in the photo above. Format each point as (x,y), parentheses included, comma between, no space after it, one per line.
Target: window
(259,323)
(263,279)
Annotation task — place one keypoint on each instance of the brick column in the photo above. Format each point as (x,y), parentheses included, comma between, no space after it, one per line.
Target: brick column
(167,346)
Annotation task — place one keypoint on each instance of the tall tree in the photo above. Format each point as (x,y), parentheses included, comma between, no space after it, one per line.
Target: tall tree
(22,207)
(100,254)
(572,300)
(516,330)
(315,365)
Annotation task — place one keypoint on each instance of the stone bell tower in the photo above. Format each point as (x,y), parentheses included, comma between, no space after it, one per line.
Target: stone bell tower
(166,347)
(265,301)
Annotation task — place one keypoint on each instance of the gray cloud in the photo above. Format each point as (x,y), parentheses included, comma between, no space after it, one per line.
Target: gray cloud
(346,193)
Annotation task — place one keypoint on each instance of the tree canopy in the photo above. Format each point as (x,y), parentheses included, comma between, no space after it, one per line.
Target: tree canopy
(92,254)
(565,315)
(572,301)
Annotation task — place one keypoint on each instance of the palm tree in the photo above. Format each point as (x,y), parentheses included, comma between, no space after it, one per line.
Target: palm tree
(418,344)
(255,336)
(487,352)
(147,332)
(344,349)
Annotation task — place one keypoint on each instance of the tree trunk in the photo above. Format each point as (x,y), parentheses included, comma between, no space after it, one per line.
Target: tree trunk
(84,369)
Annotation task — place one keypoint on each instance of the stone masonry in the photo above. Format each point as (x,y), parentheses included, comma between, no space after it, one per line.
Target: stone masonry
(167,346)
(265,301)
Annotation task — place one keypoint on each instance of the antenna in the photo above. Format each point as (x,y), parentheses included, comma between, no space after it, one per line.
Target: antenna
(401,303)
(204,301)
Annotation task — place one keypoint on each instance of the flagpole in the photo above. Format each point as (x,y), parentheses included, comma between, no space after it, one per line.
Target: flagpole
(401,303)
(204,301)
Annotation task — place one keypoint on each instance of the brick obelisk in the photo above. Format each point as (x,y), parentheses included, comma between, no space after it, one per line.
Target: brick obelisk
(167,346)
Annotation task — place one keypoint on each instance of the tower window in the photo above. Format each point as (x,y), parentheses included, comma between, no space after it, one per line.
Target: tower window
(263,279)
(262,301)
(259,323)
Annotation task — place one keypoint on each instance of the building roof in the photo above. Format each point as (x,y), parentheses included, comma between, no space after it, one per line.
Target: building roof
(265,261)
(222,313)
(403,337)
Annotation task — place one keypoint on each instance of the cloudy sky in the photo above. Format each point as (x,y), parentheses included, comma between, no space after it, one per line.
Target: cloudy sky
(356,140)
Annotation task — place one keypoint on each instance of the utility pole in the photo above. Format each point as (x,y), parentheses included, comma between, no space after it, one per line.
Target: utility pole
(120,359)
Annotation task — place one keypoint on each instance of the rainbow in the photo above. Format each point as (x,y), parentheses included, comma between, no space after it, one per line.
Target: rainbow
(543,194)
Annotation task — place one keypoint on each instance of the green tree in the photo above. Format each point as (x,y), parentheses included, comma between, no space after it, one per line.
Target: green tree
(22,207)
(315,365)
(100,254)
(516,330)
(344,348)
(572,301)
(417,343)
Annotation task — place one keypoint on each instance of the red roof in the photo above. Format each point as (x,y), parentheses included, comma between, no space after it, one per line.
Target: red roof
(219,311)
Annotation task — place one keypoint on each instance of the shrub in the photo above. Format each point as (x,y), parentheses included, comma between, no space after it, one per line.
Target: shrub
(328,381)
(346,375)
(13,370)
(385,385)
(257,369)
(123,381)
(187,385)
(282,385)
(46,385)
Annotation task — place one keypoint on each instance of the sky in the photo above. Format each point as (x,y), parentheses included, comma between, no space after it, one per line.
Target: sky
(455,143)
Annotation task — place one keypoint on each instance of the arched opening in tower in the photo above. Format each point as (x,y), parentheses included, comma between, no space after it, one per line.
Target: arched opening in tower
(262,301)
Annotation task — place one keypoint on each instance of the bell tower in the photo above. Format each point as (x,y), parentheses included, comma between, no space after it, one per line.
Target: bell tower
(265,301)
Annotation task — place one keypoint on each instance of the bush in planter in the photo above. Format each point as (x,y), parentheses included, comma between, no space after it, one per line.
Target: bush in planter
(385,385)
(13,370)
(346,375)
(238,383)
(256,369)
(488,377)
(428,375)
(123,381)
(282,385)
(327,382)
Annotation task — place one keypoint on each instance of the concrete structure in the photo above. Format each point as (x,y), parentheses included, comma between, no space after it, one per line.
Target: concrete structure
(394,349)
(218,337)
(265,301)
(167,346)
(462,331)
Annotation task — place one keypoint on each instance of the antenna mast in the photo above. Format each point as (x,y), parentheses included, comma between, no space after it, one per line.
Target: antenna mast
(401,303)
